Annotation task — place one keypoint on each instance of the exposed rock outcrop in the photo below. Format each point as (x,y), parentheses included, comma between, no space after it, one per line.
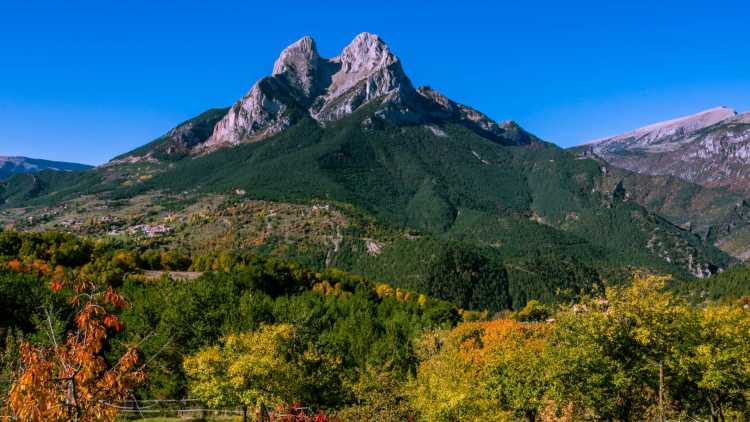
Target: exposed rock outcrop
(303,82)
(447,109)
(263,112)
(300,66)
(366,71)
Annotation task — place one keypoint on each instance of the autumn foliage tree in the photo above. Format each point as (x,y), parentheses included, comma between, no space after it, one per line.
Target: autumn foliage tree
(483,371)
(715,373)
(247,369)
(645,354)
(69,378)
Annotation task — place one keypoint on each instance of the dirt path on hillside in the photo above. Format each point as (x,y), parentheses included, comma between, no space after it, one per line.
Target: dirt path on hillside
(174,275)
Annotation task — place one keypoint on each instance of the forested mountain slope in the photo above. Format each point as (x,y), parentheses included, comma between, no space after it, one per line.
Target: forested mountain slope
(424,187)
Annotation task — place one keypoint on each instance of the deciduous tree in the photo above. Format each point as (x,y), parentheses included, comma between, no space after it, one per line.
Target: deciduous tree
(70,379)
(247,369)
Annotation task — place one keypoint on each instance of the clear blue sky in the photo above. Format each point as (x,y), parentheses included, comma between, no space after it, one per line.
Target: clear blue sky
(85,81)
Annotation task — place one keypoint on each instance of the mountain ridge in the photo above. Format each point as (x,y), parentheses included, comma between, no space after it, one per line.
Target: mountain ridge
(688,123)
(424,171)
(710,148)
(303,83)
(10,165)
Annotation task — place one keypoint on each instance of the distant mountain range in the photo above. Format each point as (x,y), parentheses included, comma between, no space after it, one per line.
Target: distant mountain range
(710,148)
(412,184)
(12,165)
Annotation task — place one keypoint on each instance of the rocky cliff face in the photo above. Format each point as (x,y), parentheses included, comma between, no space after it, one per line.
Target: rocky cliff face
(366,72)
(711,148)
(301,67)
(304,83)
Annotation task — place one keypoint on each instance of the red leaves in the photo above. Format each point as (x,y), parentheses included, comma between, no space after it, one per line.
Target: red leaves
(72,376)
(115,298)
(111,321)
(15,265)
(56,285)
(295,412)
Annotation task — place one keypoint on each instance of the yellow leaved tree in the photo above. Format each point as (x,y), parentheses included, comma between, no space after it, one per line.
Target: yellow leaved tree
(483,371)
(715,372)
(247,369)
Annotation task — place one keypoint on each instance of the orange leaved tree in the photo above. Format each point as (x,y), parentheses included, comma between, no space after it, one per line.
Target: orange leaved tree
(70,379)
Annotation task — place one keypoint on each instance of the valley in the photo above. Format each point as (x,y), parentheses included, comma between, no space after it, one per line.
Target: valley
(340,244)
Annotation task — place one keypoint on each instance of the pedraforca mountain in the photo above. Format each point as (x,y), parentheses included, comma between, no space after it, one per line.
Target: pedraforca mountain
(710,148)
(354,130)
(304,85)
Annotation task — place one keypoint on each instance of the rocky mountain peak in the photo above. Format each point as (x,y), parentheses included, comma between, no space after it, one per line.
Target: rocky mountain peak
(303,82)
(365,72)
(365,55)
(366,69)
(298,54)
(299,65)
(365,51)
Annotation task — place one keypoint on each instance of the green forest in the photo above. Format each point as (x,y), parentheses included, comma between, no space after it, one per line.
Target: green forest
(87,325)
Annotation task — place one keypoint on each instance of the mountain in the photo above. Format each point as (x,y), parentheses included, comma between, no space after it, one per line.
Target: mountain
(304,85)
(710,148)
(716,215)
(178,142)
(343,162)
(12,165)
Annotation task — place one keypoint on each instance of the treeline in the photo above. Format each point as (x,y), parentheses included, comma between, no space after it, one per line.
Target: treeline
(480,277)
(258,337)
(68,250)
(638,353)
(731,284)
(346,322)
(263,333)
(468,276)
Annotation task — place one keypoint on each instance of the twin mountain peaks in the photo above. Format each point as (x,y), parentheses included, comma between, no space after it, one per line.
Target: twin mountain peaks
(710,148)
(305,84)
(410,170)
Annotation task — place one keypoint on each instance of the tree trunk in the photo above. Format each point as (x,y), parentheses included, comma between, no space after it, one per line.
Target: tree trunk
(244,413)
(530,416)
(714,417)
(661,391)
